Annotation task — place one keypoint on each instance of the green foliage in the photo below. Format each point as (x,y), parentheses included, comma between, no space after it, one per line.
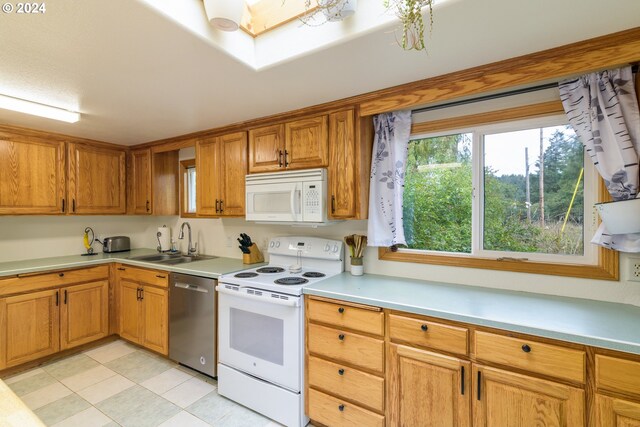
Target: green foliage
(438,199)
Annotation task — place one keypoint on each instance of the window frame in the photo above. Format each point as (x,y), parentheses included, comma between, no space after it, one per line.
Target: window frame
(607,264)
(184,166)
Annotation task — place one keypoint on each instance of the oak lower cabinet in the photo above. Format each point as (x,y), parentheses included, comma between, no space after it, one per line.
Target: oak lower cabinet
(45,313)
(345,364)
(144,307)
(427,389)
(29,327)
(84,313)
(620,379)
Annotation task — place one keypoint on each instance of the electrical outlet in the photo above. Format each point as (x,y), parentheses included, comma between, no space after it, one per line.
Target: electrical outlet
(634,269)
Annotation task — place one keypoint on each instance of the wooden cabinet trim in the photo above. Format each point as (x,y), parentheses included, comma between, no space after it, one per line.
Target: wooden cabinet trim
(617,375)
(25,283)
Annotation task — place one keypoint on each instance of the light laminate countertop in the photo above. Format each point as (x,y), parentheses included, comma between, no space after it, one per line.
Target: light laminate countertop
(594,323)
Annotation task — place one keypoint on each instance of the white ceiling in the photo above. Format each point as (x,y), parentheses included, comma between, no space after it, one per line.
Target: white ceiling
(137,75)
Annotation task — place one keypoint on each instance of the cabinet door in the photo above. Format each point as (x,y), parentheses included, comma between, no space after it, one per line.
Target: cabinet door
(32,176)
(208,177)
(342,165)
(84,314)
(130,311)
(266,149)
(504,399)
(141,182)
(612,412)
(427,389)
(96,180)
(233,157)
(155,335)
(29,327)
(306,143)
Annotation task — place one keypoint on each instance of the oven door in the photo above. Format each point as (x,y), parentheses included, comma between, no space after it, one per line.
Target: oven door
(261,335)
(274,202)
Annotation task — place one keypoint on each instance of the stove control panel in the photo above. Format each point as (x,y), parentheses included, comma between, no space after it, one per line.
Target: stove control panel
(306,247)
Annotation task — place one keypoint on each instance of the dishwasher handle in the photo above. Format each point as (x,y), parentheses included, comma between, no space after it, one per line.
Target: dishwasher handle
(292,302)
(190,287)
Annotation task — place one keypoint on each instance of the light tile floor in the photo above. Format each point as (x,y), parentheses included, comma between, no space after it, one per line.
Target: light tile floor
(118,384)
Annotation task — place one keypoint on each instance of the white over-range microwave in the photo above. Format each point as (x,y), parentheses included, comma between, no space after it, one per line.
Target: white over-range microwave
(293,197)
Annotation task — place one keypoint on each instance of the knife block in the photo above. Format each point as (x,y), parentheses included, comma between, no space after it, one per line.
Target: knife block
(254,257)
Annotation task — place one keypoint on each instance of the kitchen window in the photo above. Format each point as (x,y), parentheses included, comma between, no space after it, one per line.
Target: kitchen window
(188,188)
(515,195)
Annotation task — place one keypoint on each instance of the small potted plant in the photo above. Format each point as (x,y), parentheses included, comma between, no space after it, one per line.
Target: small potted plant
(356,244)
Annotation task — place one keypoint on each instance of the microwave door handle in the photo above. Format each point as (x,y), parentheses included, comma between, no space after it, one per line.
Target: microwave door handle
(295,213)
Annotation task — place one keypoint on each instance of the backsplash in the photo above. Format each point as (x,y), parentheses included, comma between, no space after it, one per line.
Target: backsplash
(23,237)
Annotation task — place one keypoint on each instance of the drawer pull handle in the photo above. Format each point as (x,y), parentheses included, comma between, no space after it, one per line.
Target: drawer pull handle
(159,276)
(341,408)
(479,385)
(526,348)
(341,337)
(341,310)
(121,268)
(424,327)
(462,380)
(341,371)
(61,274)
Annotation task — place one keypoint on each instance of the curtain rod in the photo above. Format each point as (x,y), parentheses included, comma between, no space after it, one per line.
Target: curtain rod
(634,69)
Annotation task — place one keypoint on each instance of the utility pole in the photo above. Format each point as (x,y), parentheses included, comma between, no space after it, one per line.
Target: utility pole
(541,176)
(526,183)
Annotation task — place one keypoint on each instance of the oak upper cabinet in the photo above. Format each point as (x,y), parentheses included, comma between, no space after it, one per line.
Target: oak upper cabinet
(32,175)
(29,327)
(140,178)
(153,182)
(504,399)
(144,307)
(349,165)
(221,163)
(299,144)
(97,177)
(84,313)
(427,389)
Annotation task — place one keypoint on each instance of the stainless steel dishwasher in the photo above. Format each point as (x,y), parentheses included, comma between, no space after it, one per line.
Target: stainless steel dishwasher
(192,322)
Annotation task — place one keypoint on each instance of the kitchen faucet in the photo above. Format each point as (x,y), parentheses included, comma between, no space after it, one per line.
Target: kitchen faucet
(190,250)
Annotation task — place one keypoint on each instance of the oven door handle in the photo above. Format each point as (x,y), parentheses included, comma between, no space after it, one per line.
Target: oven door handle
(293,302)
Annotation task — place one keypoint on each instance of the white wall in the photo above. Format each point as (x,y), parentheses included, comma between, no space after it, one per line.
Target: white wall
(24,237)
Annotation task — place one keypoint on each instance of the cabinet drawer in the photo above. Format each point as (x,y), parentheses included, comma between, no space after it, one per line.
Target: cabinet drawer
(534,356)
(429,334)
(346,316)
(333,412)
(617,375)
(142,275)
(358,350)
(29,283)
(365,389)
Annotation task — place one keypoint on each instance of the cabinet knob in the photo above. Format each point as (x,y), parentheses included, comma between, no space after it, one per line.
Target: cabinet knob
(424,327)
(341,337)
(341,310)
(61,274)
(340,408)
(341,371)
(526,348)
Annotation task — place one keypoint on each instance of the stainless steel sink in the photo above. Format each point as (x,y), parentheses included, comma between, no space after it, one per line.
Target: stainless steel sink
(172,259)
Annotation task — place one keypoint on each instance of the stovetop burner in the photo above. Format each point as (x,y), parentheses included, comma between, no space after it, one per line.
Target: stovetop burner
(270,270)
(313,274)
(246,275)
(291,281)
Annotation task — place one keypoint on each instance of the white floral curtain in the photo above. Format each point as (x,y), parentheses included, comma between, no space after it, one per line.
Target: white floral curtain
(602,108)
(390,146)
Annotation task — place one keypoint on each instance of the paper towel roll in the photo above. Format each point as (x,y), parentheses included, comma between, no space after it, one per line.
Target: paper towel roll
(164,238)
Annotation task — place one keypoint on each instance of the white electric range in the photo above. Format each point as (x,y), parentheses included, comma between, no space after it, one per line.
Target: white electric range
(261,326)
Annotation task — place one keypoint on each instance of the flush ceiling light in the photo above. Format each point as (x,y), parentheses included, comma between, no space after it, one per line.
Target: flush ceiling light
(36,109)
(224,15)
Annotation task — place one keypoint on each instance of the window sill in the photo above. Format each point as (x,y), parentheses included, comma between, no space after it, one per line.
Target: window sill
(606,269)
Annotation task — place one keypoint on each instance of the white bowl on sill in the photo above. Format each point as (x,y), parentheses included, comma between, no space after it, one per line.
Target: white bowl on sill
(620,217)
